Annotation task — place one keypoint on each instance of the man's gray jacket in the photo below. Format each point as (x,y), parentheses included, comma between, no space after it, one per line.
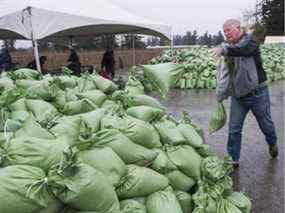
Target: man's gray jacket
(246,74)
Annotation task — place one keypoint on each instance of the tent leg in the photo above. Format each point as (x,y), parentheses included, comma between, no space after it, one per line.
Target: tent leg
(171,44)
(36,53)
(134,50)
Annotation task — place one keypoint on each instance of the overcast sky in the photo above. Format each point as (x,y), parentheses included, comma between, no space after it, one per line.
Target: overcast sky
(184,15)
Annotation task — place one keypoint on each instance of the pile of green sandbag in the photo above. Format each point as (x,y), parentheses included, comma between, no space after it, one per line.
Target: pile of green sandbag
(273,56)
(198,63)
(200,68)
(79,145)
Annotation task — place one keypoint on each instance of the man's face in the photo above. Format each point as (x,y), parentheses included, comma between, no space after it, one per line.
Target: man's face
(232,33)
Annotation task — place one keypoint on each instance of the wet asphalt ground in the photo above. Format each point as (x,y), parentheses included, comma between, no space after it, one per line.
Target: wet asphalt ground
(259,176)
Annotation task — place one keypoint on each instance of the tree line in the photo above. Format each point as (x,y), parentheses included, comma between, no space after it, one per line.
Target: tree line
(126,41)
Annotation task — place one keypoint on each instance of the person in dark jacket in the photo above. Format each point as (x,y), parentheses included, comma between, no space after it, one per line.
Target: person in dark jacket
(108,63)
(33,64)
(5,60)
(249,91)
(74,62)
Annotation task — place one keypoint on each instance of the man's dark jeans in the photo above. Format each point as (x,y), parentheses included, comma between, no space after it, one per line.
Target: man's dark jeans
(259,104)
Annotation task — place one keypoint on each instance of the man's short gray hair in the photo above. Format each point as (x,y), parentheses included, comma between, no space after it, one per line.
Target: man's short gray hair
(231,22)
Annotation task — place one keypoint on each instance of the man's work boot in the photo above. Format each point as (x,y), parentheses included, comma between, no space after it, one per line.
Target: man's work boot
(235,164)
(273,150)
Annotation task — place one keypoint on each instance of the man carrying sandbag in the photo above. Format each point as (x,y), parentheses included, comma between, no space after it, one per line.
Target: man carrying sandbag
(247,87)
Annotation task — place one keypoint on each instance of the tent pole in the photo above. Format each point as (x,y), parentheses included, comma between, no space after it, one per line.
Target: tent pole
(36,53)
(171,42)
(134,50)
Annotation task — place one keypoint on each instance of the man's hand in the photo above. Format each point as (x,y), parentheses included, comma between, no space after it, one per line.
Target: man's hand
(217,52)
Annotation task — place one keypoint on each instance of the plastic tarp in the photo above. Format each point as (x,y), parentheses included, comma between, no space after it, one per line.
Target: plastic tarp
(35,20)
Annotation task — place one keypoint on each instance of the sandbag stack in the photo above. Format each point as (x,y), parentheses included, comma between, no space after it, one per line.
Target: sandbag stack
(80,145)
(200,67)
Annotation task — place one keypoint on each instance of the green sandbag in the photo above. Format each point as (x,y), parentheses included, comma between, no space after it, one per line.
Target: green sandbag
(87,189)
(145,113)
(26,83)
(182,83)
(23,189)
(118,95)
(199,209)
(169,133)
(122,145)
(10,95)
(162,164)
(134,86)
(44,112)
(4,115)
(187,120)
(107,161)
(84,83)
(26,73)
(31,128)
(179,181)
(96,96)
(163,76)
(205,151)
(67,209)
(5,137)
(199,130)
(186,159)
(214,168)
(141,200)
(110,122)
(11,125)
(71,210)
(59,100)
(53,207)
(43,90)
(103,84)
(190,134)
(163,202)
(209,192)
(240,201)
(69,127)
(140,100)
(225,206)
(37,152)
(185,201)
(218,118)
(132,206)
(92,119)
(77,107)
(67,81)
(204,202)
(107,103)
(140,181)
(19,115)
(6,82)
(19,105)
(224,186)
(140,132)
(70,95)
(112,107)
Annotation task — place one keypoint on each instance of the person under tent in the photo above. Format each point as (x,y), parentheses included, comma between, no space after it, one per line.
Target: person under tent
(33,65)
(108,64)
(74,62)
(5,60)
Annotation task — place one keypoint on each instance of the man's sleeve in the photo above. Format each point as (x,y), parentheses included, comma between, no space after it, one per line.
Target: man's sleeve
(245,48)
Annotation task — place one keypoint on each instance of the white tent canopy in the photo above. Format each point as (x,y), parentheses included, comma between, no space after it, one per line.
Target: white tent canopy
(38,19)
